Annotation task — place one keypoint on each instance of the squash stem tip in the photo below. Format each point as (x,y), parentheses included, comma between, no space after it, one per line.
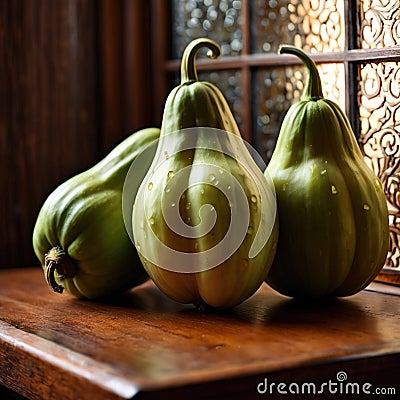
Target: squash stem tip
(57,260)
(313,87)
(188,65)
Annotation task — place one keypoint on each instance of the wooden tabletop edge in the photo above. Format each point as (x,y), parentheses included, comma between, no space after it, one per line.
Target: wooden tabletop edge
(66,360)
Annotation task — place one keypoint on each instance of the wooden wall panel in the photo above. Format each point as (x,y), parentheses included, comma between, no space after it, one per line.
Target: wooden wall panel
(49,105)
(127,71)
(76,78)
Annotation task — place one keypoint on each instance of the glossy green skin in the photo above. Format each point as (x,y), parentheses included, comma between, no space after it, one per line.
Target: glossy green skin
(334,232)
(84,217)
(201,104)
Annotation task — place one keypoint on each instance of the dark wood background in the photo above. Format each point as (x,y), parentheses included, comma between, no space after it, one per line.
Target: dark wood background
(75,79)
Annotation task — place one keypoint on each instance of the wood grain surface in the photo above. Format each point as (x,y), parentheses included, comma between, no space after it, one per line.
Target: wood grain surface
(75,80)
(48,110)
(142,345)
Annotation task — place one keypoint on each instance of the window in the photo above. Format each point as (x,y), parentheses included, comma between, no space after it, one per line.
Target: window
(356,45)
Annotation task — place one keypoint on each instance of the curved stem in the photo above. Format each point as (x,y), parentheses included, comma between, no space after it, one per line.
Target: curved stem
(188,64)
(58,260)
(313,88)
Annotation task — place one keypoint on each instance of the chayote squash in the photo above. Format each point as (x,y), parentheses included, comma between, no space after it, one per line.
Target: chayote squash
(80,237)
(201,170)
(334,232)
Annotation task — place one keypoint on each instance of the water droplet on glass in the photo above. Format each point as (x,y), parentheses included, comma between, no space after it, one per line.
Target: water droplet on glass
(323,171)
(188,219)
(201,191)
(250,230)
(253,198)
(221,171)
(212,178)
(333,189)
(151,220)
(150,185)
(166,155)
(170,174)
(138,247)
(173,205)
(229,187)
(188,205)
(167,190)
(284,187)
(366,207)
(196,245)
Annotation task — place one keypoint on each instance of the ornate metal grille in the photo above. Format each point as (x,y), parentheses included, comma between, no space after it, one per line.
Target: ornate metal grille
(380,138)
(379,109)
(311,25)
(380,23)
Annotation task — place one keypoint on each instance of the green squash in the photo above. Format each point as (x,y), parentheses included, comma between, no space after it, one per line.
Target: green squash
(203,168)
(80,237)
(334,231)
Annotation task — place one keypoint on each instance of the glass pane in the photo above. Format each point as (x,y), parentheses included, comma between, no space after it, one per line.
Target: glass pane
(276,89)
(229,82)
(313,25)
(380,23)
(380,138)
(219,20)
(333,83)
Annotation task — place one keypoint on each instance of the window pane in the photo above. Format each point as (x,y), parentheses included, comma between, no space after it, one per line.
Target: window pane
(219,20)
(313,25)
(333,83)
(380,23)
(380,138)
(276,89)
(229,82)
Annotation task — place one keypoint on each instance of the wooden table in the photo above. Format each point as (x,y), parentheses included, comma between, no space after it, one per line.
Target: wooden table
(142,345)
